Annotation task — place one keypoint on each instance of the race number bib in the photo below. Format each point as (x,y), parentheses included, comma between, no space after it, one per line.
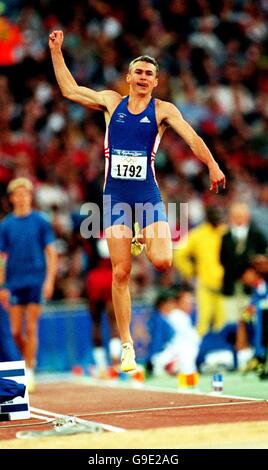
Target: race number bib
(129,165)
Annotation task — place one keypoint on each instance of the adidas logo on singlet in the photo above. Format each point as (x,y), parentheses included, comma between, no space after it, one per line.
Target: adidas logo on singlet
(145,119)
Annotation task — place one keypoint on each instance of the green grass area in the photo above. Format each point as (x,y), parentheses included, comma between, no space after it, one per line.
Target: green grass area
(234,383)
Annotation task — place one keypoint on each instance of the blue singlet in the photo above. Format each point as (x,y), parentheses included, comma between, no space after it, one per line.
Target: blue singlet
(131,192)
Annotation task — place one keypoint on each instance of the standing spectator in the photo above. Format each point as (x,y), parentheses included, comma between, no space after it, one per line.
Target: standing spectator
(199,259)
(241,241)
(260,209)
(28,261)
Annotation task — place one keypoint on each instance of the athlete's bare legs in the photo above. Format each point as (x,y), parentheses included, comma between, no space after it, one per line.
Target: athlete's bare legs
(26,341)
(158,245)
(33,312)
(119,239)
(16,315)
(159,251)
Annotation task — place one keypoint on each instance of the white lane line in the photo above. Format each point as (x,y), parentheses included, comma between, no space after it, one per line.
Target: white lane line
(166,408)
(106,427)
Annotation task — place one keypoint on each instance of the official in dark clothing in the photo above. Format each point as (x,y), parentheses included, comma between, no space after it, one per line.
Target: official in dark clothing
(239,244)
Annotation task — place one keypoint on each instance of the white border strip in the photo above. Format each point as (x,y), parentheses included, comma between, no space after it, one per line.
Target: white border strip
(43,418)
(106,427)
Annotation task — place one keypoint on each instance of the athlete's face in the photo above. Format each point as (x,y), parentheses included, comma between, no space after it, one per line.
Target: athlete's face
(142,78)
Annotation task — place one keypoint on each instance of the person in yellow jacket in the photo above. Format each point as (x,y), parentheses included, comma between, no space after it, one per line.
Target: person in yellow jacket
(199,258)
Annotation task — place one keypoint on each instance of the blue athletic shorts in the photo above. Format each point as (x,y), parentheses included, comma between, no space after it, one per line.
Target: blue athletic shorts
(116,212)
(26,295)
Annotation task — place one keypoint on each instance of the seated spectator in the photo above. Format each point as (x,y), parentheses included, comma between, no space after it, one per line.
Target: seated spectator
(8,349)
(256,276)
(180,351)
(218,351)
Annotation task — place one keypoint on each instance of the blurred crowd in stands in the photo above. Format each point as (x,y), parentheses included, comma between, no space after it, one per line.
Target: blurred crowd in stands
(213,60)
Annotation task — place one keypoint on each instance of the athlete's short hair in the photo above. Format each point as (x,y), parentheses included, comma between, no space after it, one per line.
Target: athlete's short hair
(145,58)
(17,182)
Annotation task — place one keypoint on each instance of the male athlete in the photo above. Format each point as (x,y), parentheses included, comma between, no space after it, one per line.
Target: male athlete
(135,125)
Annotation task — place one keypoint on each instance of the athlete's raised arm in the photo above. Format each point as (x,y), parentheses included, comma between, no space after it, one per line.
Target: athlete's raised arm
(102,100)
(172,117)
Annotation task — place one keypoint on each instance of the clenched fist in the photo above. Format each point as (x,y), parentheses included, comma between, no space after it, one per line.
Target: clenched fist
(55,40)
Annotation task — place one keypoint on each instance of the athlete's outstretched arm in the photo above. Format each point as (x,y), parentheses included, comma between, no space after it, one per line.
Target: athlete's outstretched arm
(175,120)
(68,86)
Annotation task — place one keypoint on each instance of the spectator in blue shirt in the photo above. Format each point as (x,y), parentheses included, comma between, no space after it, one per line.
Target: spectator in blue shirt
(28,269)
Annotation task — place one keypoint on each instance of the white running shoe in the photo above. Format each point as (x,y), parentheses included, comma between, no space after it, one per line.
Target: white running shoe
(128,362)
